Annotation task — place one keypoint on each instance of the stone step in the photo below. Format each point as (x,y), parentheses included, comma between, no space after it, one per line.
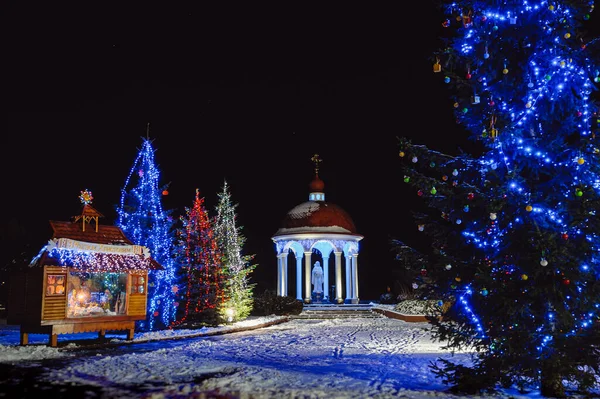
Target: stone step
(336,312)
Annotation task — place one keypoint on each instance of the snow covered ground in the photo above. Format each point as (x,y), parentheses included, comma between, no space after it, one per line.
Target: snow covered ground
(330,358)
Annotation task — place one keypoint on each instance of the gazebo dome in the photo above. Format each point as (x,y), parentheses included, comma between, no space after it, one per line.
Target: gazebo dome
(322,229)
(317,217)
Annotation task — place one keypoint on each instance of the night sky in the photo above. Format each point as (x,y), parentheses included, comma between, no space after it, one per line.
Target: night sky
(243,95)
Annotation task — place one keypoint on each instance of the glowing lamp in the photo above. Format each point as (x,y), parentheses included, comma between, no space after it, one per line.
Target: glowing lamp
(229,312)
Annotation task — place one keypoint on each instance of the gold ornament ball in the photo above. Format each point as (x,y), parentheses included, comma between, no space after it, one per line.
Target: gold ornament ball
(528,105)
(551,7)
(524,277)
(505,71)
(401,153)
(562,64)
(528,208)
(456,105)
(580,161)
(567,35)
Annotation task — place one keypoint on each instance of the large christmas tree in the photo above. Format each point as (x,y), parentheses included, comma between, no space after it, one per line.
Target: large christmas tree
(145,222)
(513,228)
(236,266)
(202,279)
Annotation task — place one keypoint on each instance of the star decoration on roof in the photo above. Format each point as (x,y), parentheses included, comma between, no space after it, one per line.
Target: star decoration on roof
(86,197)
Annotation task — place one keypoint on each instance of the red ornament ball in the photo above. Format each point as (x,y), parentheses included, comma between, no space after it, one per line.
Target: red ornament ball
(565,236)
(420,193)
(470,196)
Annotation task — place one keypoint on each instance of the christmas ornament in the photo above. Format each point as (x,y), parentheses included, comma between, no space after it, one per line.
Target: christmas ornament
(470,196)
(528,208)
(437,67)
(433,191)
(484,291)
(415,285)
(420,193)
(455,172)
(524,277)
(415,159)
(565,236)
(421,227)
(581,161)
(406,179)
(544,262)
(165,192)
(578,192)
(493,216)
(448,266)
(401,154)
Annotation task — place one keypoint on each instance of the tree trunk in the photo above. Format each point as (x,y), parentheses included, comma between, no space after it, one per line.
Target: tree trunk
(552,386)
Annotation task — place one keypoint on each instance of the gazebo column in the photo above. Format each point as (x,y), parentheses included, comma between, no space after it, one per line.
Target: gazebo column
(348,278)
(279,275)
(338,277)
(299,277)
(326,277)
(307,270)
(284,275)
(355,278)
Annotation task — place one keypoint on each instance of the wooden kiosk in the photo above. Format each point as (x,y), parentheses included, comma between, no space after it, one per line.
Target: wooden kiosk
(89,277)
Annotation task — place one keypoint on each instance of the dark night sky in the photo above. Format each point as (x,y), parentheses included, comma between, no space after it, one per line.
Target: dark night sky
(246,95)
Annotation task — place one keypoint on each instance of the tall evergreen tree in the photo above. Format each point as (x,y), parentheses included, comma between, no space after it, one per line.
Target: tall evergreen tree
(513,228)
(202,279)
(145,222)
(236,266)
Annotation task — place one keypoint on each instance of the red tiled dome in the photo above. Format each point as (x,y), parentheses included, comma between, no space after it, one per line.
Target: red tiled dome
(317,216)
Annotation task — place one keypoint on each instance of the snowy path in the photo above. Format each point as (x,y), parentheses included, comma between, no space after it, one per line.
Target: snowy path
(341,358)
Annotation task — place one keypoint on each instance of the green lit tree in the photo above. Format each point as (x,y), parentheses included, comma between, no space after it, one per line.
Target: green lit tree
(236,266)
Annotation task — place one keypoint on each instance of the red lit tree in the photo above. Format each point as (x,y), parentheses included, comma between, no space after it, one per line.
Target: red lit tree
(201,278)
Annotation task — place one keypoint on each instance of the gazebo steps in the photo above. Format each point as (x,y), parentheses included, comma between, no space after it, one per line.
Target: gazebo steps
(336,312)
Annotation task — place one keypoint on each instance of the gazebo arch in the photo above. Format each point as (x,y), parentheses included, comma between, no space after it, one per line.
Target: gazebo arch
(319,226)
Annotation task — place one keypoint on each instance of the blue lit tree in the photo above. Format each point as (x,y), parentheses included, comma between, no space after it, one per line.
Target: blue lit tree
(513,229)
(145,222)
(236,266)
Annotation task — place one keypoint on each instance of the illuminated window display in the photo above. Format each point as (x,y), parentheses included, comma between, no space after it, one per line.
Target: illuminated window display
(96,294)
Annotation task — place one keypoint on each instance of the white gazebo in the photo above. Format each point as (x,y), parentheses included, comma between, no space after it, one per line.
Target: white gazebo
(317,229)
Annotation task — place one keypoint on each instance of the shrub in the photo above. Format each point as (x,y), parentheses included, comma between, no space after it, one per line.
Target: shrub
(271,304)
